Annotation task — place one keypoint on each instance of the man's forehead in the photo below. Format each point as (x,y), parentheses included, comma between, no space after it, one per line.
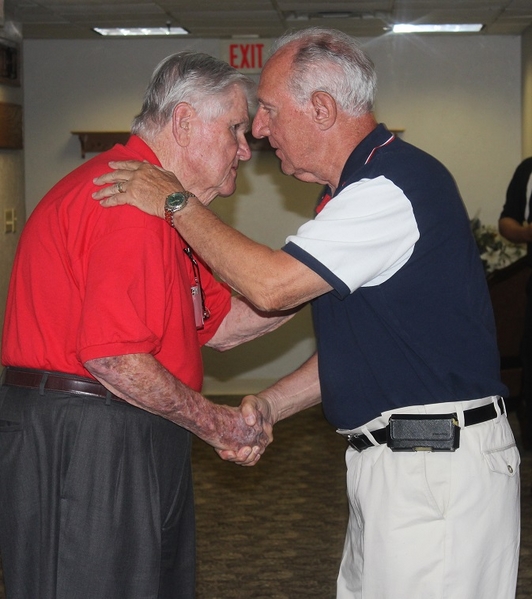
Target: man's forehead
(239,100)
(268,86)
(275,73)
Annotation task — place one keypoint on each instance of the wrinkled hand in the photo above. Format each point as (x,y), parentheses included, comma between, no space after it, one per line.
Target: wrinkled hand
(256,412)
(139,184)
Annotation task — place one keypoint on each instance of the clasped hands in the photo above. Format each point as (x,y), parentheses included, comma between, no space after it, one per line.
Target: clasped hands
(244,443)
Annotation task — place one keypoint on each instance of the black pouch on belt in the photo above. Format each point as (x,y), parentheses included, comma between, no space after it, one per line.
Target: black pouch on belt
(423,432)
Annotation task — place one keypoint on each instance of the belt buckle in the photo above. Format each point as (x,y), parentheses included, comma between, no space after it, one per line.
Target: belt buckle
(359,442)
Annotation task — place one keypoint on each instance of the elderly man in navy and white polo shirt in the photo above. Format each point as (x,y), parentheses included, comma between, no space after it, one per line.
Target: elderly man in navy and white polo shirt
(408,363)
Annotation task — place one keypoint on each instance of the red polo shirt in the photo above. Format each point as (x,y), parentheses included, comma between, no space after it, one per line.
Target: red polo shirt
(90,282)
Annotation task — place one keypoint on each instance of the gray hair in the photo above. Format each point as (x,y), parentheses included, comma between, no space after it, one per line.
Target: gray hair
(199,79)
(331,61)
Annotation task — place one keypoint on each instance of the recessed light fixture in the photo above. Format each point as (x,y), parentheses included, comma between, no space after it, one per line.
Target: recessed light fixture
(452,28)
(140,31)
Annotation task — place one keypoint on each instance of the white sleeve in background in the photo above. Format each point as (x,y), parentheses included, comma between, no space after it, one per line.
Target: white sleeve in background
(364,235)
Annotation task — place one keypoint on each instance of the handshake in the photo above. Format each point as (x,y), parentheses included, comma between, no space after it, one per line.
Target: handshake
(241,434)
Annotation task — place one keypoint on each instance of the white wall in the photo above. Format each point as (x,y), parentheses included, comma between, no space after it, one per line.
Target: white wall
(11,182)
(458,98)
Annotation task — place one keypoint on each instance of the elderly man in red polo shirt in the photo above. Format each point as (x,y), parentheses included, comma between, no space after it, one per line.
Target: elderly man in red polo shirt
(106,314)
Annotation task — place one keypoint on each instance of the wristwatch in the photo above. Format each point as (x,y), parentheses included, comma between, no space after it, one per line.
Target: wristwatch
(174,202)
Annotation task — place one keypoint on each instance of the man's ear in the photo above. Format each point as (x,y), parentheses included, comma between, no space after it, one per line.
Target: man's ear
(324,109)
(182,122)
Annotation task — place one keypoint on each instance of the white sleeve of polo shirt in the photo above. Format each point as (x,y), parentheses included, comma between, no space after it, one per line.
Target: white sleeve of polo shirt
(364,235)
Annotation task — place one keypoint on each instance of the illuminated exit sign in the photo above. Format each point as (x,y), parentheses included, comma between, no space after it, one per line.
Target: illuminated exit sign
(247,56)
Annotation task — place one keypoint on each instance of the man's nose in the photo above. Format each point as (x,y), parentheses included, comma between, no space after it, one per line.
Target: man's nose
(244,151)
(260,125)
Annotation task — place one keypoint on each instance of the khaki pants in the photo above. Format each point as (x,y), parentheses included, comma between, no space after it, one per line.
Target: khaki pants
(434,525)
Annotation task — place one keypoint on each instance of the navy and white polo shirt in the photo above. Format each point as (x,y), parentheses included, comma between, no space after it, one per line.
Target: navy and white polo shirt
(409,320)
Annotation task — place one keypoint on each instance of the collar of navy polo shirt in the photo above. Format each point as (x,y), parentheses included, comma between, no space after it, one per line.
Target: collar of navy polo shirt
(360,156)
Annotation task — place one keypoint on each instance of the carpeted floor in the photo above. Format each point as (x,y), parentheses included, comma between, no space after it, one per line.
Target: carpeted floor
(276,531)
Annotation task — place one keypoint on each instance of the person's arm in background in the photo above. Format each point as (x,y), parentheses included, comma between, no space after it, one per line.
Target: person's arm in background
(512,223)
(142,381)
(514,231)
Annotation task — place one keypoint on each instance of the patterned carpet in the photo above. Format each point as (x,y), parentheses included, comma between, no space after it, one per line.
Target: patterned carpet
(276,531)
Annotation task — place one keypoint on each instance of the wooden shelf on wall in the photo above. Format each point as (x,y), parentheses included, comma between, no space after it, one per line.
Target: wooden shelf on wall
(100,141)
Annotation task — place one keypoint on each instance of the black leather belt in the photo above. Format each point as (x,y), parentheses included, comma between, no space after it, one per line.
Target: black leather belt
(56,381)
(472,416)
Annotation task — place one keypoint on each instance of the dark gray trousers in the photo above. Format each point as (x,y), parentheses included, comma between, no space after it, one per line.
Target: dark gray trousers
(96,500)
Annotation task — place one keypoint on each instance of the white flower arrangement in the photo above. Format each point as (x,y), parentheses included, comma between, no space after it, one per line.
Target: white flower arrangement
(495,251)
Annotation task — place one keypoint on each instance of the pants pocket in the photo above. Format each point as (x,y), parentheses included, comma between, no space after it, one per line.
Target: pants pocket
(10,413)
(504,460)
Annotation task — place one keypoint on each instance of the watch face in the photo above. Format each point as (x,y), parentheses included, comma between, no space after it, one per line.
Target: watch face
(176,200)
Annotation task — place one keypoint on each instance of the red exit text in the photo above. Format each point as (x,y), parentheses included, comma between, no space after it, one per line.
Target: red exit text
(246,56)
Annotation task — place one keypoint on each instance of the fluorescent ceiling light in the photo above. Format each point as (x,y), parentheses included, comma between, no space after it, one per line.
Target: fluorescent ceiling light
(139,31)
(410,28)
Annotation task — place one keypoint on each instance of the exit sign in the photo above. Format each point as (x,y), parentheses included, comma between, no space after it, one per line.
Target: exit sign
(247,56)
